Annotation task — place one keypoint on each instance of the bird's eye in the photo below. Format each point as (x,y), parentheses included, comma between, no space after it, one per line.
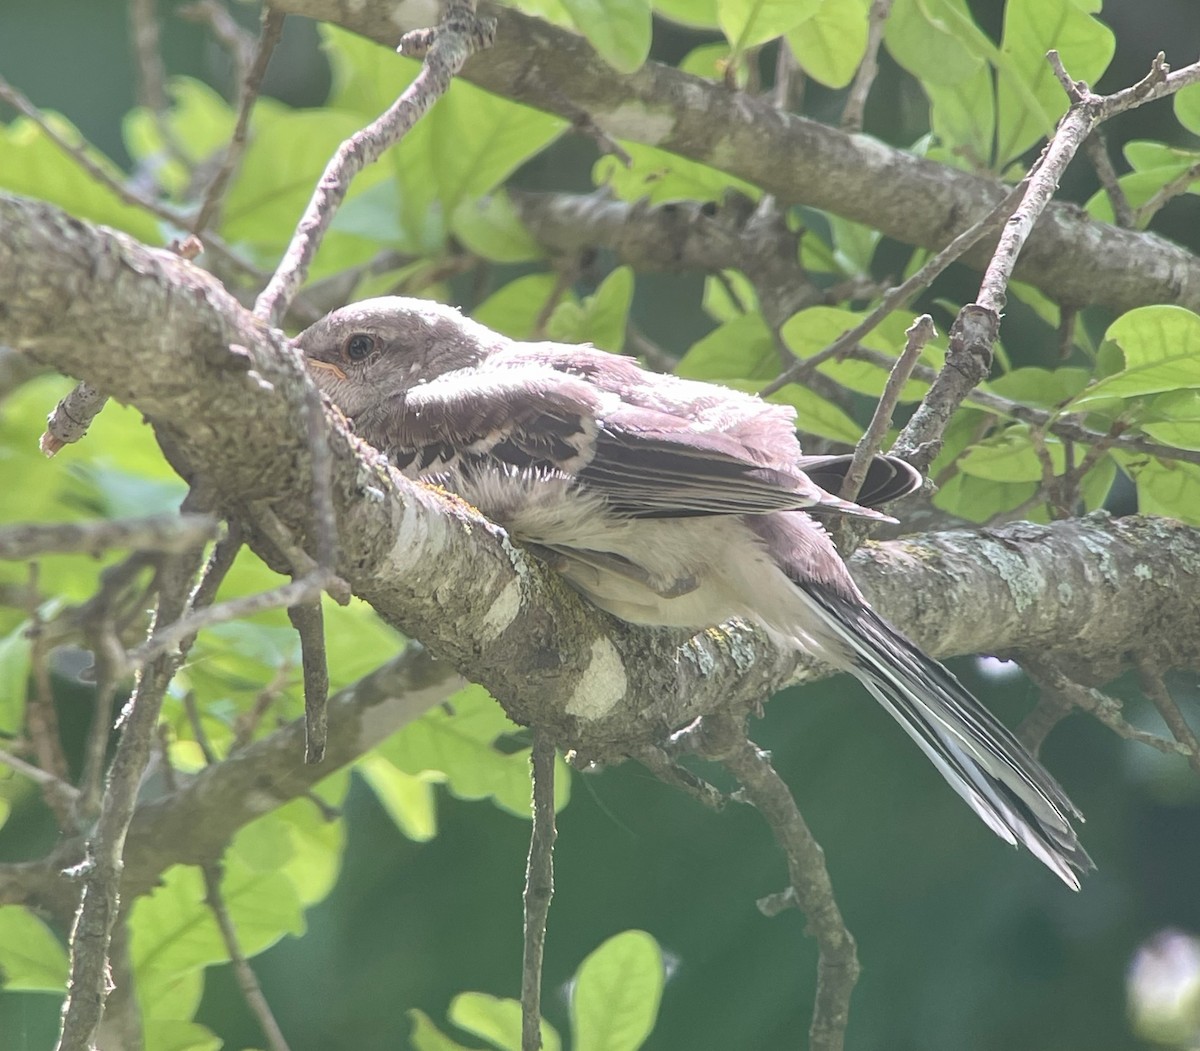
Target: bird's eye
(359,346)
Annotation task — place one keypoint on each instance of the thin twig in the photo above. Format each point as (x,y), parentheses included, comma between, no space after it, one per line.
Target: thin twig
(1060,694)
(71,418)
(896,295)
(977,327)
(1096,147)
(78,152)
(919,334)
(41,777)
(151,73)
(168,533)
(458,35)
(1156,689)
(309,622)
(169,637)
(226,30)
(247,980)
(272,29)
(837,969)
(539,889)
(868,68)
(1179,185)
(101,871)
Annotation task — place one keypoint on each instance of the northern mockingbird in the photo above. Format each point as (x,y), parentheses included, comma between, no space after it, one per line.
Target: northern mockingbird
(670,502)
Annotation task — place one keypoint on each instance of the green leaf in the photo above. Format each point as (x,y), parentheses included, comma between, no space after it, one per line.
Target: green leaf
(619,30)
(461,747)
(810,331)
(963,117)
(496,1020)
(729,298)
(201,123)
(1165,487)
(1011,456)
(36,167)
(426,1036)
(601,318)
(1187,108)
(830,45)
(174,1035)
(1035,386)
(741,348)
(616,993)
(701,14)
(515,308)
(936,40)
(658,177)
(174,997)
(1174,419)
(490,228)
(748,23)
(407,798)
(1161,345)
(710,61)
(31,958)
(14,679)
(173,930)
(980,499)
(1029,97)
(853,245)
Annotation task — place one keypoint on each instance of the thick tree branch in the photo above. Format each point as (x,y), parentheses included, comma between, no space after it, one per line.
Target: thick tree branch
(226,399)
(1071,257)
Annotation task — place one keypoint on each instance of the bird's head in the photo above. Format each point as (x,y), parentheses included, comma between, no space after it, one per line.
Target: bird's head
(369,352)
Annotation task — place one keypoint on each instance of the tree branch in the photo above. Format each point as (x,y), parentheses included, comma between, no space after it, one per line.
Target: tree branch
(1070,256)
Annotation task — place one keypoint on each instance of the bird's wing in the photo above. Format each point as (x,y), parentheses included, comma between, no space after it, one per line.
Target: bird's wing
(645,462)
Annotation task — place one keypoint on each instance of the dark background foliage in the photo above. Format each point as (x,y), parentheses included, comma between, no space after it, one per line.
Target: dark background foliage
(964,944)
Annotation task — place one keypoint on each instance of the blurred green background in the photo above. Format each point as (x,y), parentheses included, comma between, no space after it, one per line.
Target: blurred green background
(965,945)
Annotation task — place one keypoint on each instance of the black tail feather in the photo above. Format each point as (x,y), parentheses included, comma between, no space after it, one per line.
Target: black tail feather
(977,755)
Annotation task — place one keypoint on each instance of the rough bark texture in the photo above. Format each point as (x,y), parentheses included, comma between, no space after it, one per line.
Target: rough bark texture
(1072,258)
(225,394)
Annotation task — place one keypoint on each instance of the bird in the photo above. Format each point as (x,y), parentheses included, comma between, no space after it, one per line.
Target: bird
(671,502)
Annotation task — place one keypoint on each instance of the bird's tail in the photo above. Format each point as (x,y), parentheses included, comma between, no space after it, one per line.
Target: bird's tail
(983,762)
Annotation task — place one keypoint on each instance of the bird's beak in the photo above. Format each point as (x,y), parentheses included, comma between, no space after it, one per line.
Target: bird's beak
(326,366)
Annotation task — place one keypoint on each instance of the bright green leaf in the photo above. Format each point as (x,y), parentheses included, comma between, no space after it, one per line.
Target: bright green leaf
(1161,345)
(601,318)
(31,958)
(830,45)
(1187,108)
(515,309)
(981,499)
(173,996)
(1036,386)
(1174,419)
(496,1020)
(426,1036)
(14,679)
(617,989)
(742,348)
(1166,487)
(748,23)
(174,1035)
(36,167)
(462,747)
(701,14)
(658,177)
(730,296)
(1011,456)
(1029,96)
(200,122)
(490,227)
(963,117)
(407,798)
(619,30)
(935,40)
(710,61)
